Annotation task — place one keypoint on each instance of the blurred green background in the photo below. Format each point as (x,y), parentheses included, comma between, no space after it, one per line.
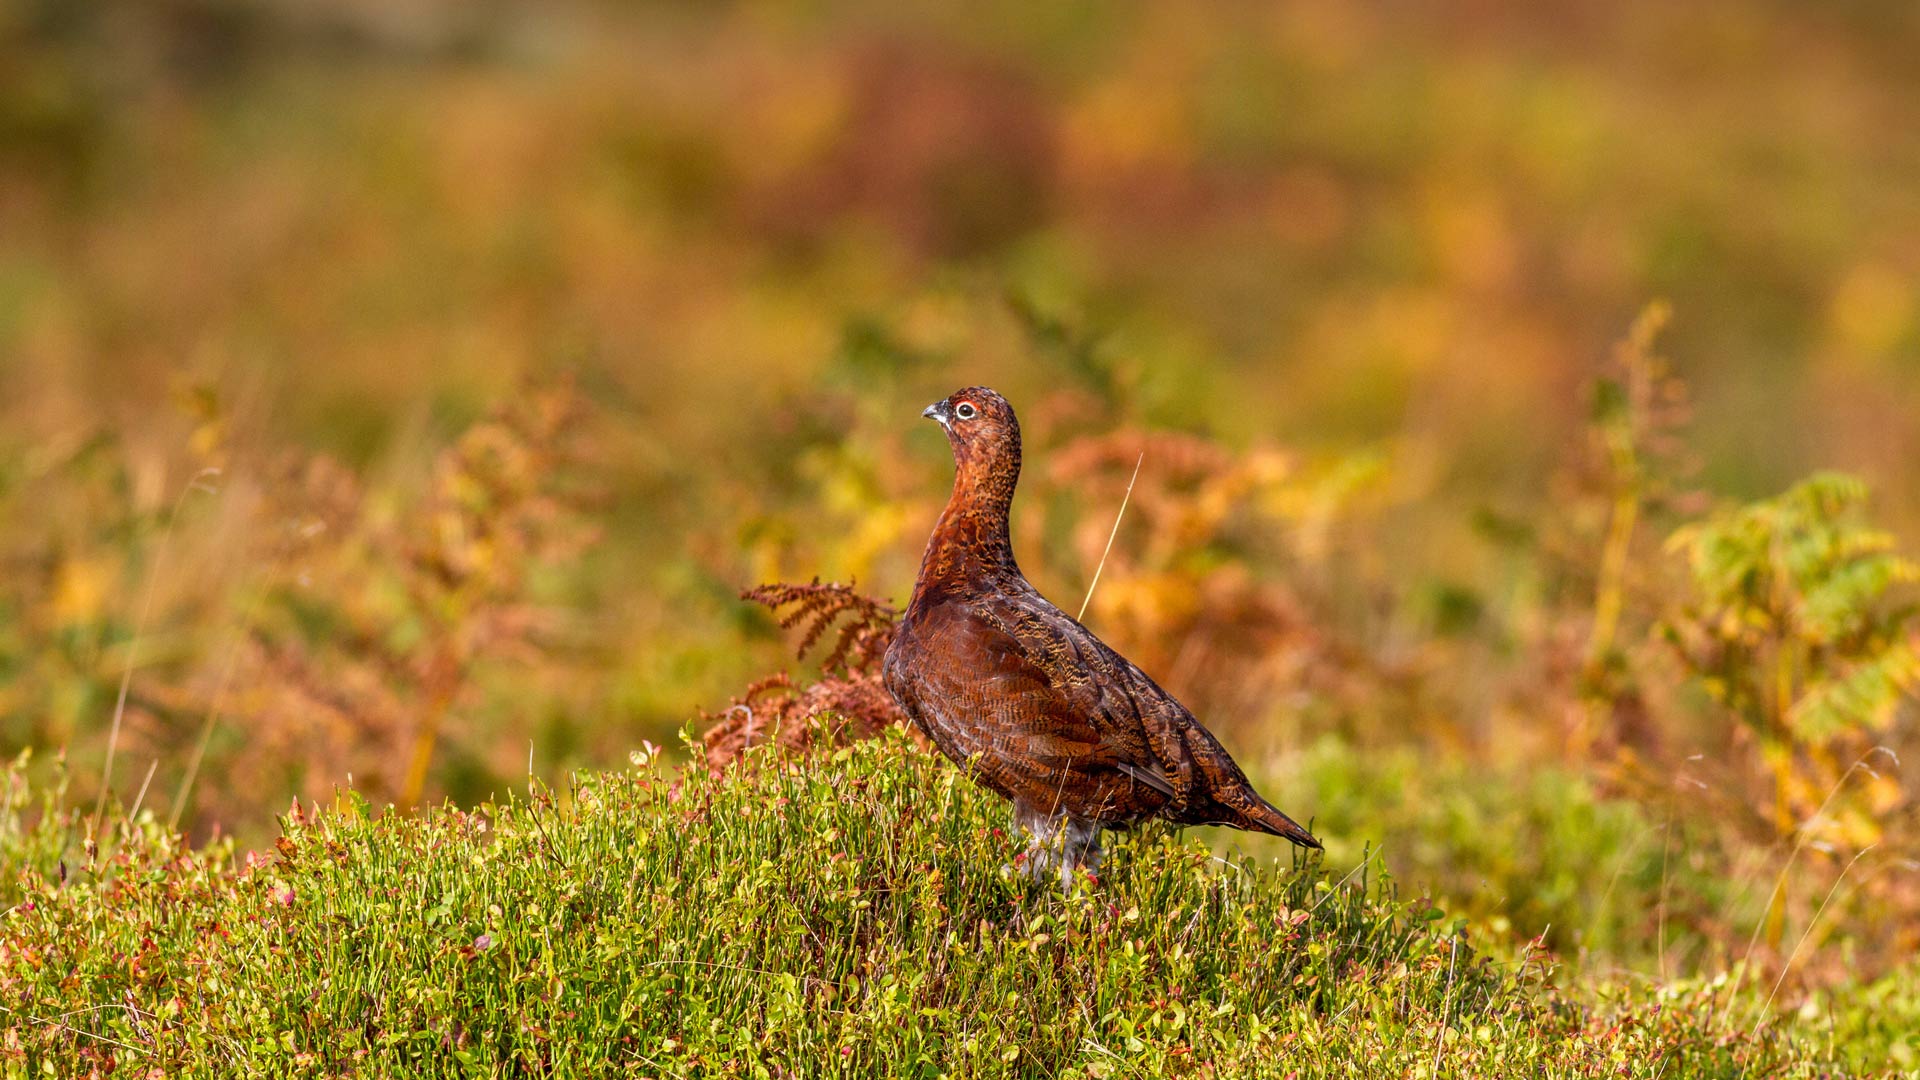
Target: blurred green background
(1332,221)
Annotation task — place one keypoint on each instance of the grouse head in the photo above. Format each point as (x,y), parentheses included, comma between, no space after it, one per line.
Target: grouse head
(982,430)
(973,531)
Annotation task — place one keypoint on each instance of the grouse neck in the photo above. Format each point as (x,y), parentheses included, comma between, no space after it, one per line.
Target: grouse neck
(972,537)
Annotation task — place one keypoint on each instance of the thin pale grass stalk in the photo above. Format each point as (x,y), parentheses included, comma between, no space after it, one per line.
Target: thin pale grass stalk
(1904,864)
(1115,531)
(43,1021)
(213,714)
(714,965)
(142,797)
(1526,954)
(1619,868)
(533,813)
(1666,857)
(1743,881)
(664,1069)
(1780,883)
(1804,935)
(1331,893)
(747,731)
(1446,1005)
(139,629)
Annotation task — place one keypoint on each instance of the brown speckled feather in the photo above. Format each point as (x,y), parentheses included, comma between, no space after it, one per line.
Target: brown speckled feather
(1027,699)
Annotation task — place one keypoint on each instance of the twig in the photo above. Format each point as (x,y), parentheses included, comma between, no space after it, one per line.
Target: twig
(1115,531)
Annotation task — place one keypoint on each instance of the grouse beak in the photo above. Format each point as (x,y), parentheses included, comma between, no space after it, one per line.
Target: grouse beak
(939,412)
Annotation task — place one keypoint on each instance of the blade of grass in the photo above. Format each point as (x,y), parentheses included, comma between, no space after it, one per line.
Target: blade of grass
(139,628)
(1780,882)
(1446,1002)
(213,712)
(1115,531)
(141,798)
(1804,935)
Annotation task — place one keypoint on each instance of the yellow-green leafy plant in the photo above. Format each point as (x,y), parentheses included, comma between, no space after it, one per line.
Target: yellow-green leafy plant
(1593,560)
(1638,407)
(1796,623)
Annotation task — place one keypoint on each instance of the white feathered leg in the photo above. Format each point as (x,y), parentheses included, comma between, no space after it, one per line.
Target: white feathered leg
(1057,845)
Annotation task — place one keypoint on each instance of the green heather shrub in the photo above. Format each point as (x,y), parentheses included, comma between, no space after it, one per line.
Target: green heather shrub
(35,829)
(1873,1025)
(839,915)
(1529,851)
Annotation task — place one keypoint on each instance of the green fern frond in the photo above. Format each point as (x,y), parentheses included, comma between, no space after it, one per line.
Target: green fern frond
(1868,696)
(1841,603)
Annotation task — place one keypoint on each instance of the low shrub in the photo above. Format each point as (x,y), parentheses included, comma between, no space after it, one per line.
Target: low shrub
(845,913)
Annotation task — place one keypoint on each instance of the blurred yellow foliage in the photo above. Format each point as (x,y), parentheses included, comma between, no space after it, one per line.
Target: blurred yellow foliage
(79,590)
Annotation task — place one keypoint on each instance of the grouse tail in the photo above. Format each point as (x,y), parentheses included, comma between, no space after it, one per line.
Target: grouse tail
(1263,816)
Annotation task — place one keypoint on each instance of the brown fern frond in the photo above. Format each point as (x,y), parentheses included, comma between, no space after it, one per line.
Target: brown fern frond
(862,624)
(848,702)
(829,713)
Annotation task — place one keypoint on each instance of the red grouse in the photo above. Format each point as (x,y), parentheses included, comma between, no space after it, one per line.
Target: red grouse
(1026,699)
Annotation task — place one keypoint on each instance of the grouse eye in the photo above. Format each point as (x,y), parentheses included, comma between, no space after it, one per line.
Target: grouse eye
(965,410)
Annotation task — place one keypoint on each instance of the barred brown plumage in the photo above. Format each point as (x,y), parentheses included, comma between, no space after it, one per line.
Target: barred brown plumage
(1029,701)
